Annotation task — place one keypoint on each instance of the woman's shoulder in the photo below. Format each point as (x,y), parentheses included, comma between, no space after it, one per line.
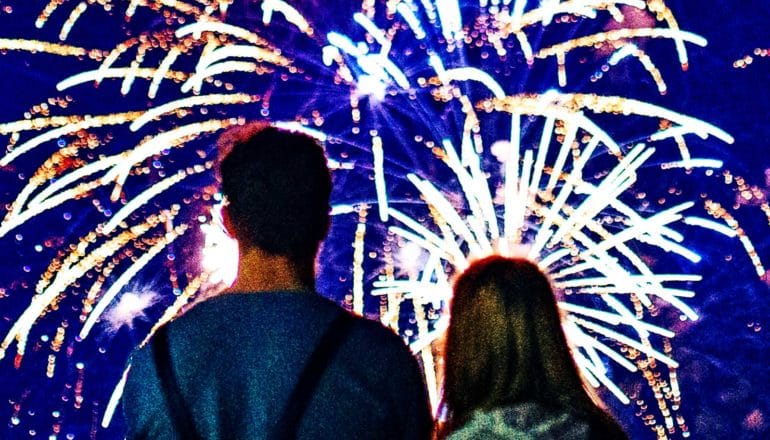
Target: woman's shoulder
(523,420)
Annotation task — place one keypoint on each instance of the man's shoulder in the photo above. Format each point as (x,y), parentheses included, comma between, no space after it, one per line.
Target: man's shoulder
(369,328)
(306,313)
(379,350)
(254,307)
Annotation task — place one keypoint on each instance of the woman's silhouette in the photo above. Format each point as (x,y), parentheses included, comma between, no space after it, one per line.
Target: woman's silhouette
(509,372)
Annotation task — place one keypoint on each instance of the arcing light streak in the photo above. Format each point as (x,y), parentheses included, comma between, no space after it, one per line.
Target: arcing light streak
(605,263)
(432,242)
(645,60)
(38,123)
(378,65)
(195,82)
(619,35)
(663,12)
(517,22)
(592,346)
(211,61)
(171,138)
(379,178)
(163,69)
(291,14)
(594,375)
(193,101)
(141,199)
(54,186)
(34,209)
(470,73)
(693,163)
(614,319)
(182,301)
(295,126)
(560,50)
(240,51)
(177,5)
(556,102)
(70,127)
(358,271)
(46,47)
(518,11)
(619,179)
(119,168)
(451,19)
(481,208)
(197,28)
(434,198)
(126,276)
(617,182)
(406,11)
(117,393)
(116,72)
(708,224)
(74,16)
(78,263)
(717,211)
(627,341)
(376,33)
(625,51)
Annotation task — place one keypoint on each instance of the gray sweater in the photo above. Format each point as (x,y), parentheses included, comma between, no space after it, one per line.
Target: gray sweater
(528,420)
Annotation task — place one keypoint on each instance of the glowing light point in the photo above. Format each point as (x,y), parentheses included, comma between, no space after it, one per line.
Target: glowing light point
(130,307)
(367,85)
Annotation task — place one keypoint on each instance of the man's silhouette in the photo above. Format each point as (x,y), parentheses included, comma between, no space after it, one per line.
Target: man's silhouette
(226,369)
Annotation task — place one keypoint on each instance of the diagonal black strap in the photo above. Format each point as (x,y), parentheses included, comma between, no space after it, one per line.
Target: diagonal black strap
(327,347)
(181,418)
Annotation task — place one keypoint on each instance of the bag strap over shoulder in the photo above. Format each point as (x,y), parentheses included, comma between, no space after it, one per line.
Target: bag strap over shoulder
(181,417)
(332,339)
(286,428)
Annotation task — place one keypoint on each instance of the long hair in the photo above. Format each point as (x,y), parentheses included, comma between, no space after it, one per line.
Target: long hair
(505,345)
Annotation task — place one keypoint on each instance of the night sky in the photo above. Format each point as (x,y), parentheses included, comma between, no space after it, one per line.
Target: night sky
(61,385)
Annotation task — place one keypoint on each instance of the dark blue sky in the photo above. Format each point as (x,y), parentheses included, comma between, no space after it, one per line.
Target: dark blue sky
(723,355)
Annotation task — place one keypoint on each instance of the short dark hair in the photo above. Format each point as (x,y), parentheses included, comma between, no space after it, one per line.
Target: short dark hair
(278,185)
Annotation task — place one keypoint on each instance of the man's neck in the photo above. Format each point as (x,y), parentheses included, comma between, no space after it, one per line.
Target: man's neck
(259,271)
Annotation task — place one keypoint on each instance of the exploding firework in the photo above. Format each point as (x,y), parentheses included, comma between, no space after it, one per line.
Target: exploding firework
(454,130)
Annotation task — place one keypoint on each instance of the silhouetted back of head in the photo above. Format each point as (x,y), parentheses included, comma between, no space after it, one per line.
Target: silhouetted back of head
(505,345)
(278,185)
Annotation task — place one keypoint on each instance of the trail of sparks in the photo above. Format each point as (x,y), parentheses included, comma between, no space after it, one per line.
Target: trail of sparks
(34,46)
(74,267)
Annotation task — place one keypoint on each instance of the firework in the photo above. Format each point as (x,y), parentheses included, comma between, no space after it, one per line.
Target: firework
(454,131)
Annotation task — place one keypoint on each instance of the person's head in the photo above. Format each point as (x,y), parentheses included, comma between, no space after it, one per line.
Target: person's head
(277,185)
(505,343)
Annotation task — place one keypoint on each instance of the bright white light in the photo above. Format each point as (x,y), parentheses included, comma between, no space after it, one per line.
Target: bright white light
(500,150)
(411,258)
(130,306)
(414,23)
(219,257)
(372,87)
